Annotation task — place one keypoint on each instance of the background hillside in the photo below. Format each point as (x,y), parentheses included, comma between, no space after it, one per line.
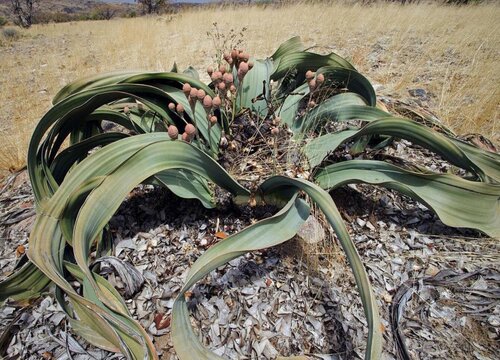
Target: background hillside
(66,6)
(72,8)
(77,6)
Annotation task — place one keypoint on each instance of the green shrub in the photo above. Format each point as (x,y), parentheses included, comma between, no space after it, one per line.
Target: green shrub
(3,21)
(11,33)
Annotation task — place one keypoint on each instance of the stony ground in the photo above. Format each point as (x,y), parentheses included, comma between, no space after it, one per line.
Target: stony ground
(442,284)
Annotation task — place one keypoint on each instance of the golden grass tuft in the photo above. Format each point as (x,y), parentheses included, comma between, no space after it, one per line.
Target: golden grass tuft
(451,52)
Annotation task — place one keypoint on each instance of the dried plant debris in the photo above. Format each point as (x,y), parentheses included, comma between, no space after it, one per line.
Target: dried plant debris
(438,287)
(466,305)
(131,278)
(16,218)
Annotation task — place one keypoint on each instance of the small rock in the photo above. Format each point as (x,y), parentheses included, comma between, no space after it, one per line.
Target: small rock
(494,320)
(361,222)
(431,270)
(419,93)
(311,231)
(370,226)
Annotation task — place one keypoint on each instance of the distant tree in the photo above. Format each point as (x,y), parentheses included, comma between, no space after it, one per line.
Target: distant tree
(105,12)
(152,6)
(23,11)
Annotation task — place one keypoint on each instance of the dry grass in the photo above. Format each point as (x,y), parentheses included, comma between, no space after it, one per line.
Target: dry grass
(451,52)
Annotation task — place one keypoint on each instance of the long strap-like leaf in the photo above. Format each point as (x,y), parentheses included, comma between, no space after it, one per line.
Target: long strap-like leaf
(457,202)
(461,156)
(102,202)
(326,204)
(68,114)
(329,110)
(130,77)
(25,283)
(47,245)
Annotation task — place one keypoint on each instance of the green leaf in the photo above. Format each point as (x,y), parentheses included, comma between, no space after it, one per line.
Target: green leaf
(359,112)
(474,160)
(107,161)
(187,185)
(25,283)
(150,160)
(341,77)
(143,156)
(302,61)
(165,78)
(255,87)
(326,111)
(289,110)
(191,71)
(291,45)
(67,114)
(103,284)
(489,162)
(319,148)
(457,202)
(63,118)
(77,152)
(352,105)
(328,207)
(95,81)
(47,245)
